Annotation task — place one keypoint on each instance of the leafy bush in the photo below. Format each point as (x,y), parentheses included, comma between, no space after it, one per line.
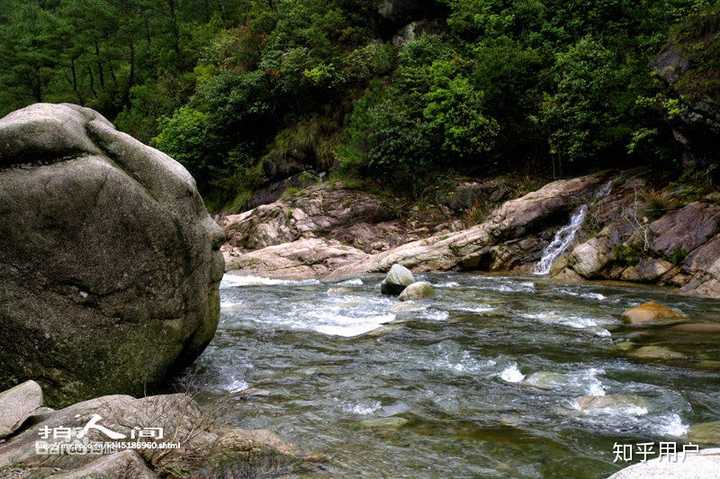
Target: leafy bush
(184,137)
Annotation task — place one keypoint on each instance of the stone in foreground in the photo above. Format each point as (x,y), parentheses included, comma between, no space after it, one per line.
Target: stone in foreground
(17,404)
(396,280)
(417,290)
(704,465)
(110,263)
(651,313)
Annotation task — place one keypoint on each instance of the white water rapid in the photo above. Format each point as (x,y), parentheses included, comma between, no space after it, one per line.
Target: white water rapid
(563,238)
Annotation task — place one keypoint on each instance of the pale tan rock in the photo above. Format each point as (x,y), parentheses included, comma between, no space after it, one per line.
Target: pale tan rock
(301,259)
(17,404)
(647,270)
(416,291)
(656,352)
(651,312)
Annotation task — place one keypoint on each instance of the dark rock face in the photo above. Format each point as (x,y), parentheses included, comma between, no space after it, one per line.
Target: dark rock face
(688,65)
(109,261)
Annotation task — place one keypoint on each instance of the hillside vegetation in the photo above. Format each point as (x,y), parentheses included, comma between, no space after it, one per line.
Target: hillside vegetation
(249,93)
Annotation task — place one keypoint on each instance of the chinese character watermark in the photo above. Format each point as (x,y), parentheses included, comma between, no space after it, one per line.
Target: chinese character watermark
(666,451)
(62,440)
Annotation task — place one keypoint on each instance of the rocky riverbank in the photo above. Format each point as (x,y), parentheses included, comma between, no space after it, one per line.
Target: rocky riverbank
(34,440)
(331,232)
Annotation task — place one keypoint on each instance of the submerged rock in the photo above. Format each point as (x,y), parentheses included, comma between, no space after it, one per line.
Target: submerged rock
(627,403)
(651,313)
(702,465)
(109,261)
(17,404)
(697,328)
(705,433)
(384,423)
(656,352)
(417,290)
(396,280)
(545,380)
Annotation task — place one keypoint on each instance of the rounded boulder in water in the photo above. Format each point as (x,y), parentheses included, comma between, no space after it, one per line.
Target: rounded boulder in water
(652,313)
(418,290)
(396,280)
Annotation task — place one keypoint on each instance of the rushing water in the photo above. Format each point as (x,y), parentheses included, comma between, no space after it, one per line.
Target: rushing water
(452,377)
(563,238)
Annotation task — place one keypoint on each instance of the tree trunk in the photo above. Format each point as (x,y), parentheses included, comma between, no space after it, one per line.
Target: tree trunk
(92,82)
(131,76)
(99,60)
(175,28)
(74,82)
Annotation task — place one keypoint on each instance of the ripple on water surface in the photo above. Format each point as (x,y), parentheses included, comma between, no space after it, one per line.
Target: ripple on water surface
(487,379)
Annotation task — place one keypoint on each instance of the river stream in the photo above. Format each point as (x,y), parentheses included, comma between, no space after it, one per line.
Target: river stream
(445,387)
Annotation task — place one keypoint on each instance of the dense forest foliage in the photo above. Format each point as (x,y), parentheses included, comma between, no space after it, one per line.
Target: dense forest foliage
(246,93)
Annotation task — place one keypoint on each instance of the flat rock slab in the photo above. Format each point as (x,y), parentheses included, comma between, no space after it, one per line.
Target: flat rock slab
(17,404)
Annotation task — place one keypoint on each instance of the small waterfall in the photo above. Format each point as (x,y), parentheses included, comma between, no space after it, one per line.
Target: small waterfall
(563,238)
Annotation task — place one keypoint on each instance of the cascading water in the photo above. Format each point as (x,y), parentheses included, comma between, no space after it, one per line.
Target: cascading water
(563,239)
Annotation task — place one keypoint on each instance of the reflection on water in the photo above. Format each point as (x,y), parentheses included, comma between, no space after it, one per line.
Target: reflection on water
(486,377)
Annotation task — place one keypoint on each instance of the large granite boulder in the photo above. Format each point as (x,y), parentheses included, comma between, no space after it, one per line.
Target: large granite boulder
(109,261)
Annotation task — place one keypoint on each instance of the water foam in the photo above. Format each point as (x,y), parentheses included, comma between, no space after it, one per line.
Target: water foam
(236,386)
(236,281)
(563,238)
(362,409)
(512,374)
(347,326)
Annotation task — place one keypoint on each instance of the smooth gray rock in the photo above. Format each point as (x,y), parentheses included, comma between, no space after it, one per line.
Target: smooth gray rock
(396,280)
(110,263)
(417,290)
(17,404)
